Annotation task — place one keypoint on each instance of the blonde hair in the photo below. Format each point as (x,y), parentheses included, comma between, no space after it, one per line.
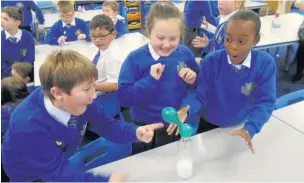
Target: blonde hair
(65,6)
(66,69)
(164,11)
(113,4)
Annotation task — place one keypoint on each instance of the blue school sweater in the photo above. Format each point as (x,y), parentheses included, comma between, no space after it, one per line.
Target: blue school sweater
(228,97)
(71,33)
(26,7)
(195,11)
(36,146)
(121,28)
(147,96)
(23,51)
(214,8)
(6,111)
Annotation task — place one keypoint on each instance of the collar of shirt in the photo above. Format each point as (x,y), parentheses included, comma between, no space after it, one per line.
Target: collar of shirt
(17,35)
(226,17)
(152,52)
(72,23)
(59,114)
(246,63)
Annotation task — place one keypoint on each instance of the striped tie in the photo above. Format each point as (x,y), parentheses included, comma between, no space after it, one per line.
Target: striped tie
(13,40)
(96,58)
(72,122)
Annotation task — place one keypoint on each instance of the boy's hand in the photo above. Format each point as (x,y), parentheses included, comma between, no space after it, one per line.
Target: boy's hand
(146,133)
(61,39)
(81,37)
(118,177)
(182,114)
(200,42)
(246,136)
(187,75)
(41,27)
(156,70)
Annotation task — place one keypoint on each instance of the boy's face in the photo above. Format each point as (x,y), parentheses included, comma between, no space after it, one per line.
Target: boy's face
(107,10)
(68,17)
(240,38)
(102,38)
(164,36)
(76,102)
(8,23)
(226,7)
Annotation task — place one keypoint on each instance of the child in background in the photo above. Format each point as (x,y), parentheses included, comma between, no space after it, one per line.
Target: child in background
(226,10)
(158,74)
(111,8)
(16,45)
(49,125)
(195,12)
(68,28)
(237,84)
(25,72)
(13,91)
(26,7)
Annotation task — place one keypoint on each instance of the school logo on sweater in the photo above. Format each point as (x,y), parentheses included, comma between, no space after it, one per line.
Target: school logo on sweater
(181,65)
(23,52)
(19,5)
(78,32)
(247,88)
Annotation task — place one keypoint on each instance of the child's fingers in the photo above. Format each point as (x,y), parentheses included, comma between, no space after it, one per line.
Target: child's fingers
(177,132)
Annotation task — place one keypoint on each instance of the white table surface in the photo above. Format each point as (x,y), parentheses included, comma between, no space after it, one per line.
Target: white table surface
(287,34)
(127,42)
(50,19)
(218,156)
(248,4)
(292,115)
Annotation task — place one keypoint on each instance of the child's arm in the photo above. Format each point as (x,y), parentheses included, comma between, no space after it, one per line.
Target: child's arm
(264,99)
(30,55)
(132,89)
(198,98)
(37,11)
(106,86)
(48,160)
(53,35)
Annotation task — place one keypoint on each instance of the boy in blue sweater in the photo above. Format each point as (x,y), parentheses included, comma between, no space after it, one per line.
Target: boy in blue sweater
(237,85)
(26,7)
(38,144)
(68,28)
(110,8)
(16,45)
(158,74)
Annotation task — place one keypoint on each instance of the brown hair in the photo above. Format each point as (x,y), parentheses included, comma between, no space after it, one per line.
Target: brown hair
(65,6)
(164,11)
(113,4)
(13,90)
(65,69)
(13,12)
(24,70)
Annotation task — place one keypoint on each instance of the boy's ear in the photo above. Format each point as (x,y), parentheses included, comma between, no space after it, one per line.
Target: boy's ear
(27,79)
(257,40)
(57,93)
(114,34)
(18,22)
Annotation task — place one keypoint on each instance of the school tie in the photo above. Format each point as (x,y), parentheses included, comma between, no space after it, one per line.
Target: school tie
(13,39)
(68,25)
(96,58)
(72,122)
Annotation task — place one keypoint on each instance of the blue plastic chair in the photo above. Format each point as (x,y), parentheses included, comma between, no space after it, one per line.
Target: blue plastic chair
(100,152)
(289,99)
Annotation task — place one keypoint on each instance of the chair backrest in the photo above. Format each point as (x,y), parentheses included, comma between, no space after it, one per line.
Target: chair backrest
(289,99)
(100,152)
